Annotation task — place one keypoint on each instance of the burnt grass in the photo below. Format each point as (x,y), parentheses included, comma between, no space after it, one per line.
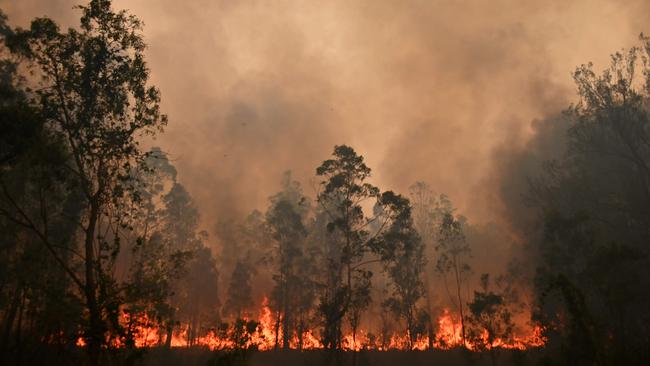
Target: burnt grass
(202,356)
(39,354)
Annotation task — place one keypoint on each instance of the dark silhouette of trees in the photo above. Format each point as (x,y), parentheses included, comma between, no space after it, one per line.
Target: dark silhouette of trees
(594,204)
(285,219)
(490,320)
(428,210)
(403,259)
(239,301)
(344,189)
(94,97)
(452,260)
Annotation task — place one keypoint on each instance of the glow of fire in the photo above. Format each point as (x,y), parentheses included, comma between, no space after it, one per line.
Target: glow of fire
(449,335)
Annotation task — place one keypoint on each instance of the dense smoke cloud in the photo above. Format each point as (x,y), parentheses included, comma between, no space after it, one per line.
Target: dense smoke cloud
(440,91)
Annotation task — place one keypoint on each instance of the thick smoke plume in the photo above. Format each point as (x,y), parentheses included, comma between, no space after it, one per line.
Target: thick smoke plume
(440,91)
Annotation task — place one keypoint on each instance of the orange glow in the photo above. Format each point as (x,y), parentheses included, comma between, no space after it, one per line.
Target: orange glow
(448,335)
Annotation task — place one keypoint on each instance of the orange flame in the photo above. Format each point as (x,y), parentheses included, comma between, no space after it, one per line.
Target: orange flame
(147,333)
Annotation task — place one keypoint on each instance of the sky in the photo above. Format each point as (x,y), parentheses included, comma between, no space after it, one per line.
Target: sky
(445,92)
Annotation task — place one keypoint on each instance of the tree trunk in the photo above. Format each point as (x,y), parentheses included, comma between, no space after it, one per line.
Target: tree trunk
(170,334)
(460,305)
(430,329)
(285,329)
(8,321)
(277,330)
(301,330)
(95,333)
(19,326)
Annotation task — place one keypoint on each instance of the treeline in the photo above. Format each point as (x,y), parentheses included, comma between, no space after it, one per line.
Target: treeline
(590,247)
(97,234)
(99,239)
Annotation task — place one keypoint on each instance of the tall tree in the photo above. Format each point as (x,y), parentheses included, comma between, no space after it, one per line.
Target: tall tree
(403,258)
(239,300)
(352,240)
(93,94)
(285,219)
(594,200)
(428,210)
(490,320)
(453,251)
(344,190)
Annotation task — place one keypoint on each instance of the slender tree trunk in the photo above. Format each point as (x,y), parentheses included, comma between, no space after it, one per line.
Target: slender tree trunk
(19,326)
(430,331)
(277,329)
(286,332)
(95,333)
(170,333)
(8,321)
(301,329)
(285,328)
(460,304)
(409,329)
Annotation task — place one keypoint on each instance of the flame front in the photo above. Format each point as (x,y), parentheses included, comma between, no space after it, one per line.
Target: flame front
(449,335)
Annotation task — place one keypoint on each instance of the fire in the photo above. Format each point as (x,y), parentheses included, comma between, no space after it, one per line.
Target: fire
(449,332)
(147,333)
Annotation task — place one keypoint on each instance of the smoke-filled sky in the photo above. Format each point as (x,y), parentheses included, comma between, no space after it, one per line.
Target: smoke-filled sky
(440,91)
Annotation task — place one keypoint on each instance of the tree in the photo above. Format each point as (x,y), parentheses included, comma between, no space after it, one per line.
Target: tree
(490,320)
(593,204)
(94,97)
(285,220)
(453,251)
(35,296)
(402,255)
(344,190)
(239,299)
(427,212)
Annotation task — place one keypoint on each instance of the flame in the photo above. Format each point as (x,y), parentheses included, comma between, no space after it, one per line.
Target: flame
(146,333)
(449,333)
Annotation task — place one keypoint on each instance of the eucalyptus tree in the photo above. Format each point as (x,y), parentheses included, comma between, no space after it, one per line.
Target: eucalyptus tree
(352,239)
(490,320)
(428,210)
(594,200)
(286,221)
(94,95)
(453,252)
(239,299)
(402,255)
(33,184)
(344,190)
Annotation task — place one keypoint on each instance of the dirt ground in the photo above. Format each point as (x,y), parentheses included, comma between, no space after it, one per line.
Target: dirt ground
(203,357)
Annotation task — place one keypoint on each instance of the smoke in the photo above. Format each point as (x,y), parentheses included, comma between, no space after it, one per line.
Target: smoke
(440,91)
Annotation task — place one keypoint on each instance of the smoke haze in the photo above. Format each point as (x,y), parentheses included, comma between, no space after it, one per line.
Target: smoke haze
(441,91)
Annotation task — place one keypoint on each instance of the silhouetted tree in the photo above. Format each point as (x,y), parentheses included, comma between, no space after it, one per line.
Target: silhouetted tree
(403,259)
(452,260)
(490,320)
(285,220)
(239,300)
(594,203)
(94,96)
(428,210)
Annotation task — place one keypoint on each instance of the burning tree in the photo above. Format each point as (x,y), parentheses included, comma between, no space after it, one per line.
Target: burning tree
(490,320)
(403,258)
(428,210)
(453,251)
(239,291)
(285,219)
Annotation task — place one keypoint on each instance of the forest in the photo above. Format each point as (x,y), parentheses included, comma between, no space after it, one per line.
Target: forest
(105,258)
